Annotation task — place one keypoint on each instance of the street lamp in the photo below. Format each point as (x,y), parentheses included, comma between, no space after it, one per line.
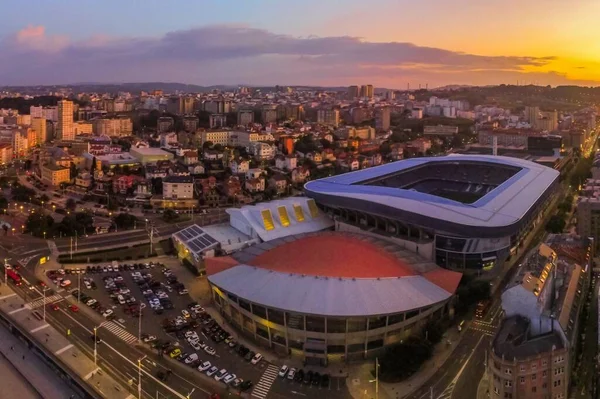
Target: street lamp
(44,235)
(140,326)
(140,376)
(6,267)
(376,380)
(189,395)
(96,339)
(44,291)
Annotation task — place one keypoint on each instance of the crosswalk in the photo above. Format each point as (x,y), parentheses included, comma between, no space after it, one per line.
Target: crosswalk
(483,327)
(40,301)
(447,393)
(120,332)
(266,380)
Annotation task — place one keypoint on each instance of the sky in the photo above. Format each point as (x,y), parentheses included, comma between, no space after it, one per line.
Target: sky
(387,43)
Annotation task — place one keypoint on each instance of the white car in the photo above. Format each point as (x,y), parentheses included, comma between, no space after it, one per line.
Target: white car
(210,351)
(221,374)
(149,338)
(191,358)
(195,344)
(229,378)
(256,359)
(90,302)
(65,283)
(204,366)
(283,371)
(291,373)
(107,312)
(211,371)
(87,285)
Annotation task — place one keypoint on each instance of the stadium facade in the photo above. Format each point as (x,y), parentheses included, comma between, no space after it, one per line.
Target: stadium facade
(464,212)
(329,296)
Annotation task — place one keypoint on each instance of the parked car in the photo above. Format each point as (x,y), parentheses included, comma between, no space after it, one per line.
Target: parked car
(256,359)
(211,371)
(283,371)
(291,374)
(204,366)
(221,374)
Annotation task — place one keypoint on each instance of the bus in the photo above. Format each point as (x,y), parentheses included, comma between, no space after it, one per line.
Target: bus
(481,308)
(14,276)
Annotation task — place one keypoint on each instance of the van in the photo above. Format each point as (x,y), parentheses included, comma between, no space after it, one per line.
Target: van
(461,325)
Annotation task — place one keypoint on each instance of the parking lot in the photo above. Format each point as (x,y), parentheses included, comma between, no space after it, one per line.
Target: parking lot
(119,292)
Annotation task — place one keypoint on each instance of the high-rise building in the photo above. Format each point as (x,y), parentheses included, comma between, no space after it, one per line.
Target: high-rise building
(6,153)
(353,92)
(329,116)
(39,125)
(165,124)
(367,91)
(532,114)
(65,130)
(217,120)
(190,124)
(382,118)
(245,117)
(269,114)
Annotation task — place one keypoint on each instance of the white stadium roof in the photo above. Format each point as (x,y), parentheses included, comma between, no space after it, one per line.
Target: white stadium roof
(280,218)
(504,206)
(329,296)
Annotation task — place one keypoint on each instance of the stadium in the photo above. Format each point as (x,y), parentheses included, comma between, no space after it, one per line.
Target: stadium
(328,296)
(464,212)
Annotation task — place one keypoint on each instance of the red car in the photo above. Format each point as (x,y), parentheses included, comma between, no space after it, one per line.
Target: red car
(42,284)
(74,308)
(53,306)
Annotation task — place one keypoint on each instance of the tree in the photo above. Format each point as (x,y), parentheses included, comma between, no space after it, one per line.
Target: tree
(5,228)
(73,171)
(45,198)
(207,144)
(22,193)
(125,220)
(157,185)
(170,215)
(71,204)
(37,224)
(556,224)
(403,360)
(3,202)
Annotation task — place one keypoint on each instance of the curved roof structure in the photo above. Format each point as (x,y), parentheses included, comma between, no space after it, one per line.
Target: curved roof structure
(334,274)
(280,218)
(497,213)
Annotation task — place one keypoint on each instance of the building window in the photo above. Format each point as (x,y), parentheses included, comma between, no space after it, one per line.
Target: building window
(508,383)
(522,380)
(545,373)
(533,389)
(544,362)
(522,368)
(508,371)
(533,377)
(556,383)
(496,391)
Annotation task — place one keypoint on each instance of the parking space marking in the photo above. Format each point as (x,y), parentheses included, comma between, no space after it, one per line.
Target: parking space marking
(40,301)
(64,349)
(261,389)
(120,332)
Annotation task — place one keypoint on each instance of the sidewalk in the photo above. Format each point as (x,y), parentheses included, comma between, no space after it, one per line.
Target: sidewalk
(360,375)
(38,375)
(54,341)
(483,387)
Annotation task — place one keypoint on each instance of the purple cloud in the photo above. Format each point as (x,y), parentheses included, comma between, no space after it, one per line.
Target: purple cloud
(226,54)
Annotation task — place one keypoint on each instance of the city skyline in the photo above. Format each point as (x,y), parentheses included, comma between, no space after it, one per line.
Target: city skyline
(389,44)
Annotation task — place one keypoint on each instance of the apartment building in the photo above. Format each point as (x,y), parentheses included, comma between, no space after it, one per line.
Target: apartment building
(6,153)
(64,129)
(113,127)
(245,117)
(55,174)
(41,129)
(178,187)
(329,117)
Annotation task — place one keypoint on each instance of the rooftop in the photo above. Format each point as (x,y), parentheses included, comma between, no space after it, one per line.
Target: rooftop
(513,340)
(503,206)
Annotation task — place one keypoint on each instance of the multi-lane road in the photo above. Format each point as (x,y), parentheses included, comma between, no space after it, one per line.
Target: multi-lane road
(118,354)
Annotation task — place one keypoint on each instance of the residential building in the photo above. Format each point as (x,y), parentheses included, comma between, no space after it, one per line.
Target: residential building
(279,183)
(367,91)
(262,150)
(254,173)
(190,124)
(239,166)
(64,129)
(190,157)
(39,125)
(286,162)
(216,121)
(215,136)
(6,153)
(440,130)
(113,127)
(149,155)
(168,140)
(255,185)
(269,114)
(82,127)
(382,118)
(300,175)
(287,144)
(245,117)
(330,117)
(84,180)
(55,174)
(178,187)
(165,124)
(232,187)
(353,92)
(588,211)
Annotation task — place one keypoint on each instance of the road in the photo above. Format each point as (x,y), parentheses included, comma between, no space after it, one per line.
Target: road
(119,358)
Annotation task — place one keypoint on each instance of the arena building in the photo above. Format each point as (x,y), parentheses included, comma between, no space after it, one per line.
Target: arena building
(464,212)
(329,295)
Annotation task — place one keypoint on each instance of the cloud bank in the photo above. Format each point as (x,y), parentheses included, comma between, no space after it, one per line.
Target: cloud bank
(230,54)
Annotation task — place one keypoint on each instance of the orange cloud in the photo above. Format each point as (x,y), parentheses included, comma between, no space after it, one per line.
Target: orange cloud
(35,38)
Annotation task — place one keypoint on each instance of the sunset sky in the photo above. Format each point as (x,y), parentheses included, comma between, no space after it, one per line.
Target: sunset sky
(388,43)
